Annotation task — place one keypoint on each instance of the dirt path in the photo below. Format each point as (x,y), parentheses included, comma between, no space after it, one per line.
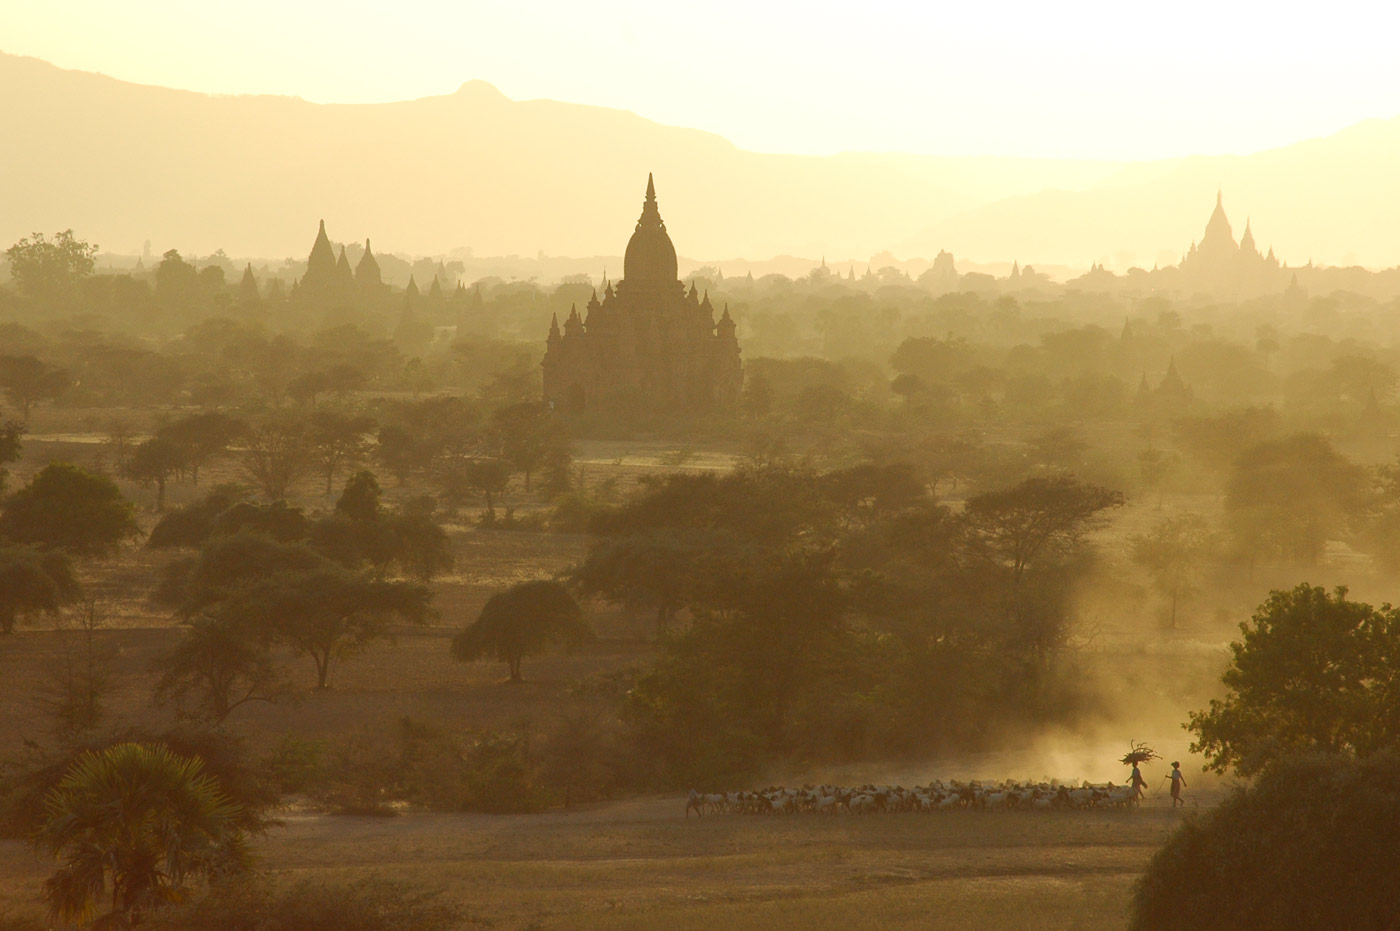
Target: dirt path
(639,863)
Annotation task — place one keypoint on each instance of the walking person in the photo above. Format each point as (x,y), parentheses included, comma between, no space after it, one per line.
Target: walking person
(1178,783)
(1137,783)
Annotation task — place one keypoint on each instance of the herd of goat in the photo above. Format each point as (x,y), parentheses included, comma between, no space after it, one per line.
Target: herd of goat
(936,796)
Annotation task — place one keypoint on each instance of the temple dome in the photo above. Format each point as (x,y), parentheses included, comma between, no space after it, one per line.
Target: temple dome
(650,257)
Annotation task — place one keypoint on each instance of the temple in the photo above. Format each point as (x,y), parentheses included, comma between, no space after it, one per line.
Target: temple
(647,342)
(1220,264)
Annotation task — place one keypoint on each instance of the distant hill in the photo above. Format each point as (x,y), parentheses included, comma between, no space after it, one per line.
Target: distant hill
(122,163)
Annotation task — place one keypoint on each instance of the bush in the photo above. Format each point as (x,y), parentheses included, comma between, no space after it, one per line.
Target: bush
(297,766)
(499,777)
(258,905)
(1314,844)
(423,765)
(192,525)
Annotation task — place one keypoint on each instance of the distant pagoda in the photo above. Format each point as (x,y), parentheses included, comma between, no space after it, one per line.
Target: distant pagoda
(1221,264)
(647,342)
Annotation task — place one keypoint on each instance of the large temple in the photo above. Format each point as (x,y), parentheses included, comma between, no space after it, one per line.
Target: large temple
(648,341)
(1219,264)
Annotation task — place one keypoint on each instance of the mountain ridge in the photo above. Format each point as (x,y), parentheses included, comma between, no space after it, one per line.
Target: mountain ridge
(122,163)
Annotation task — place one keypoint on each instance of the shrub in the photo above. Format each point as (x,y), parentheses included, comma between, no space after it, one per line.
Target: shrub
(1314,844)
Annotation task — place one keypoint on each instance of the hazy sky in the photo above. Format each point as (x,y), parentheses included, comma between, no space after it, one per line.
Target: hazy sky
(1106,80)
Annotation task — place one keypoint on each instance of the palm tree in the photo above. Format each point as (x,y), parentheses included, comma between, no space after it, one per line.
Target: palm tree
(133,825)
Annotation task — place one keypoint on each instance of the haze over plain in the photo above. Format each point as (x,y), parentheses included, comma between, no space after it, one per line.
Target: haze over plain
(1090,120)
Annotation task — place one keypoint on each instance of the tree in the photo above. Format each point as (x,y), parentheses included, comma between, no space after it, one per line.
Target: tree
(359,532)
(399,451)
(1313,673)
(222,662)
(360,499)
(33,581)
(78,683)
(51,271)
(1024,535)
(1039,520)
(10,433)
(1173,552)
(337,439)
(756,400)
(1153,466)
(527,436)
(485,477)
(68,508)
(28,380)
(520,621)
(193,524)
(276,521)
(201,437)
(1315,843)
(660,570)
(296,597)
(154,461)
(276,454)
(422,548)
(330,614)
(228,564)
(1286,498)
(134,825)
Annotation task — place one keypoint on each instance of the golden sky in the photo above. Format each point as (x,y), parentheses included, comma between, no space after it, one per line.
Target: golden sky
(1093,80)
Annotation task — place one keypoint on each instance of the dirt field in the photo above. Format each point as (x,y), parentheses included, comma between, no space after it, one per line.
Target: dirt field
(640,865)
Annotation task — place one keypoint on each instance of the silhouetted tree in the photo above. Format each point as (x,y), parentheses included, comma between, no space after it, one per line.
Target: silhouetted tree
(1286,498)
(68,508)
(519,621)
(660,570)
(50,271)
(485,477)
(360,498)
(277,452)
(222,662)
(1173,552)
(1313,673)
(527,436)
(10,445)
(154,461)
(201,437)
(33,581)
(330,614)
(27,381)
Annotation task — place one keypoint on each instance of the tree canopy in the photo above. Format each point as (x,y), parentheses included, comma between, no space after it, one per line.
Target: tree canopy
(1313,673)
(68,508)
(1286,498)
(520,621)
(33,581)
(28,380)
(50,270)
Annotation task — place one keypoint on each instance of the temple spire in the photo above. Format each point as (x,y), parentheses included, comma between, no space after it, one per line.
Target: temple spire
(651,189)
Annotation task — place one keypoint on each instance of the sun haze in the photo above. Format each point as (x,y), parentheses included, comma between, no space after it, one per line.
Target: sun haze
(1085,80)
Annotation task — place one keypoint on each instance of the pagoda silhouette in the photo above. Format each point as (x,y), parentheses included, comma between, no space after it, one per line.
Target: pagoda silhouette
(647,343)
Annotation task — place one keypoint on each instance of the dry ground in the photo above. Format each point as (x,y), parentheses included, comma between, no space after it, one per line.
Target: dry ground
(640,864)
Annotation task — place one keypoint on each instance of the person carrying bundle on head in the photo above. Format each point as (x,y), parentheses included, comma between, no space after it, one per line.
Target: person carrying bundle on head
(1136,782)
